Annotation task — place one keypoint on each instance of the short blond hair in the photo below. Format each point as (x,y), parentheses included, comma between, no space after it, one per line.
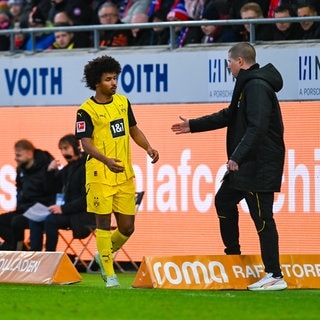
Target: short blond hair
(252,6)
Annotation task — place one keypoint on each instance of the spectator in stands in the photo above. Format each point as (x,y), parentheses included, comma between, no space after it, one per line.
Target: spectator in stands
(216,33)
(81,39)
(311,29)
(286,30)
(140,37)
(16,8)
(184,35)
(134,7)
(63,39)
(236,5)
(252,10)
(72,214)
(121,5)
(109,14)
(159,35)
(42,40)
(5,23)
(34,183)
(80,13)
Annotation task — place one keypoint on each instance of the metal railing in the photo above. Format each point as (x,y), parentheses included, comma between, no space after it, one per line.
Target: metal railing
(95,29)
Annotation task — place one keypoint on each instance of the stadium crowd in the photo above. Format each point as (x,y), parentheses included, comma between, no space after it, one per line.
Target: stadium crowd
(47,13)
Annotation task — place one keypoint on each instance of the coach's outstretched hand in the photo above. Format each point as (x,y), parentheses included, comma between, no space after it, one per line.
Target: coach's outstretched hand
(181,127)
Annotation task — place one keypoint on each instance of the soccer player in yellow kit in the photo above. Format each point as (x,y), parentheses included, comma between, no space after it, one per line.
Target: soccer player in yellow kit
(105,123)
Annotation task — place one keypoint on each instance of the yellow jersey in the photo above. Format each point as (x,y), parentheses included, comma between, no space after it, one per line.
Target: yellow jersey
(110,135)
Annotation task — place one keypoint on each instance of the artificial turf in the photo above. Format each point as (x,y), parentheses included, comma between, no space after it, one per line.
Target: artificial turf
(89,299)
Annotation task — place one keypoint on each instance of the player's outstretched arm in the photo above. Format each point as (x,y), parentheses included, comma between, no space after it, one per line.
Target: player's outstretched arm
(140,139)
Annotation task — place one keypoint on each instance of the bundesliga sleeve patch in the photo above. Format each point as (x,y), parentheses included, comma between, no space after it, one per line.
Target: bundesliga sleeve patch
(81,126)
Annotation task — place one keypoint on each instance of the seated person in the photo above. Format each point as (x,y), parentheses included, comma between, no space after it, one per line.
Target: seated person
(109,15)
(184,35)
(159,35)
(79,12)
(72,214)
(64,39)
(34,183)
(252,10)
(286,30)
(311,29)
(82,39)
(140,37)
(216,33)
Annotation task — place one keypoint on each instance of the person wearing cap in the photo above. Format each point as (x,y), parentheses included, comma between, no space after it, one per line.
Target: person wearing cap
(42,40)
(184,34)
(216,33)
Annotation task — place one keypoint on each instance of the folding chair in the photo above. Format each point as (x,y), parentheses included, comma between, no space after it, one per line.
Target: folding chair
(139,197)
(71,244)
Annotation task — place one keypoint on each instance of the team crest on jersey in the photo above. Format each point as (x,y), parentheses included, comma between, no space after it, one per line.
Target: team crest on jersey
(81,126)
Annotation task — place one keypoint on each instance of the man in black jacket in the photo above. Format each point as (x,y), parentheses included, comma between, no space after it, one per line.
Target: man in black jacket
(71,212)
(256,151)
(34,183)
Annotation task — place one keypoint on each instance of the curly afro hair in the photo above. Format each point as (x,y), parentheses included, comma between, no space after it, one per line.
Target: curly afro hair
(95,68)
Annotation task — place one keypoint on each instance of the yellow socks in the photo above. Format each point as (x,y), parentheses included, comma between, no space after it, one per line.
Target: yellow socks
(118,240)
(104,246)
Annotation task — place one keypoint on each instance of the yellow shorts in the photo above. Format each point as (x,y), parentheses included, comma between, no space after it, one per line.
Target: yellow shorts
(105,199)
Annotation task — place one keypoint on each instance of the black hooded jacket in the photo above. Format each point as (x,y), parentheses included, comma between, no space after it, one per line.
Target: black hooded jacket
(36,184)
(254,130)
(72,179)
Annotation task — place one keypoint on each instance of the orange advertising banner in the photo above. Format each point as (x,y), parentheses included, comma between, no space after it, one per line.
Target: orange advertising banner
(37,268)
(177,215)
(223,272)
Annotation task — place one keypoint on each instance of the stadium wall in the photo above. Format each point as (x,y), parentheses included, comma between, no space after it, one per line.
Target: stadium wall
(177,216)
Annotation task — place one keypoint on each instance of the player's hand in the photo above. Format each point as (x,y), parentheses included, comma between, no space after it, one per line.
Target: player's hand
(154,154)
(181,127)
(115,165)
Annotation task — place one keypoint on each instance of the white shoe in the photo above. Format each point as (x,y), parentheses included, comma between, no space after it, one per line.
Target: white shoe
(112,281)
(99,262)
(268,282)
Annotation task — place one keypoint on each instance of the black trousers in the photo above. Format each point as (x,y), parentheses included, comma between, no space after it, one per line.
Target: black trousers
(260,206)
(12,226)
(50,227)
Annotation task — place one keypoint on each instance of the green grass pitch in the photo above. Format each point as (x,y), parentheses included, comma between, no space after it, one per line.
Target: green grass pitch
(89,299)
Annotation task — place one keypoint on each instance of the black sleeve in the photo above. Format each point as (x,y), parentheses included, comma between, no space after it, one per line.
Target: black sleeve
(213,121)
(132,119)
(84,125)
